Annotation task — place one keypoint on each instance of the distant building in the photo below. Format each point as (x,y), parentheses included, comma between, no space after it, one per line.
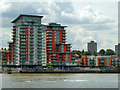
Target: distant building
(92,46)
(4,56)
(117,49)
(115,61)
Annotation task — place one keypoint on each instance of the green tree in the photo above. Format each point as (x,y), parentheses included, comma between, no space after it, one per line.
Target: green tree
(77,51)
(83,52)
(95,53)
(102,52)
(87,53)
(109,52)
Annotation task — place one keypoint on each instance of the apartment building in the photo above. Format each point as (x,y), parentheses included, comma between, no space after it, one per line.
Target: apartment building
(57,52)
(103,61)
(115,61)
(92,47)
(35,44)
(91,61)
(95,61)
(117,49)
(26,47)
(4,56)
(82,61)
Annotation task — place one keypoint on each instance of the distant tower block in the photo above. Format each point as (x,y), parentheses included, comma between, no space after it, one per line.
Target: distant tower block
(92,46)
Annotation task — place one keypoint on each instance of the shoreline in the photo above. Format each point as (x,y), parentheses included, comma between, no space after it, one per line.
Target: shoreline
(57,72)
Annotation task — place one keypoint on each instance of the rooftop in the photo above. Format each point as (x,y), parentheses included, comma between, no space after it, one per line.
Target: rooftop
(55,25)
(25,15)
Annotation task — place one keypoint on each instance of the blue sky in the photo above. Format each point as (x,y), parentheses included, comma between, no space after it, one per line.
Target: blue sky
(86,21)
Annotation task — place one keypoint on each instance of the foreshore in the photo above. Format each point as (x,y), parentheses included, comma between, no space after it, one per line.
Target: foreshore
(54,72)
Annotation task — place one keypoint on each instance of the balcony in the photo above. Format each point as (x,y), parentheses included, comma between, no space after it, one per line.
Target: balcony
(31,47)
(63,41)
(39,44)
(64,32)
(39,35)
(39,41)
(39,31)
(22,27)
(39,51)
(63,38)
(49,31)
(39,38)
(31,31)
(49,43)
(49,46)
(22,34)
(31,41)
(31,34)
(49,34)
(49,37)
(64,35)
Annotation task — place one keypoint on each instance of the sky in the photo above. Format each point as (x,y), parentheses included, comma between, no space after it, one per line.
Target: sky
(86,21)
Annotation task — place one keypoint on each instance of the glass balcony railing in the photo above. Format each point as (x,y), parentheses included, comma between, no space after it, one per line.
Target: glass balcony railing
(39,37)
(49,43)
(49,31)
(49,37)
(49,34)
(22,30)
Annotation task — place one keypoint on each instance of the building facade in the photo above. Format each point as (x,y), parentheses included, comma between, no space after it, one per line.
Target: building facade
(35,44)
(95,61)
(117,49)
(26,47)
(56,51)
(4,56)
(115,61)
(92,47)
(103,61)
(92,61)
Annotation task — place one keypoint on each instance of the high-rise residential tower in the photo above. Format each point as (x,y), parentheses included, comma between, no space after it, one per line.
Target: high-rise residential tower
(57,52)
(27,40)
(117,49)
(35,44)
(92,46)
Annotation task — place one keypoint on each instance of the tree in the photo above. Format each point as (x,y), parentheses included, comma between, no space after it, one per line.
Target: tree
(88,53)
(77,51)
(95,53)
(102,52)
(83,53)
(109,52)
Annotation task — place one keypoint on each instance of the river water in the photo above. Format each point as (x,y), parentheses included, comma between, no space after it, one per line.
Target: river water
(59,80)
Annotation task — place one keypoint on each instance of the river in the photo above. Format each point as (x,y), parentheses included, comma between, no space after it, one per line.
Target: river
(59,80)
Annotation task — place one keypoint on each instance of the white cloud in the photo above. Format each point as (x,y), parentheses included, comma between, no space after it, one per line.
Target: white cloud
(83,24)
(4,6)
